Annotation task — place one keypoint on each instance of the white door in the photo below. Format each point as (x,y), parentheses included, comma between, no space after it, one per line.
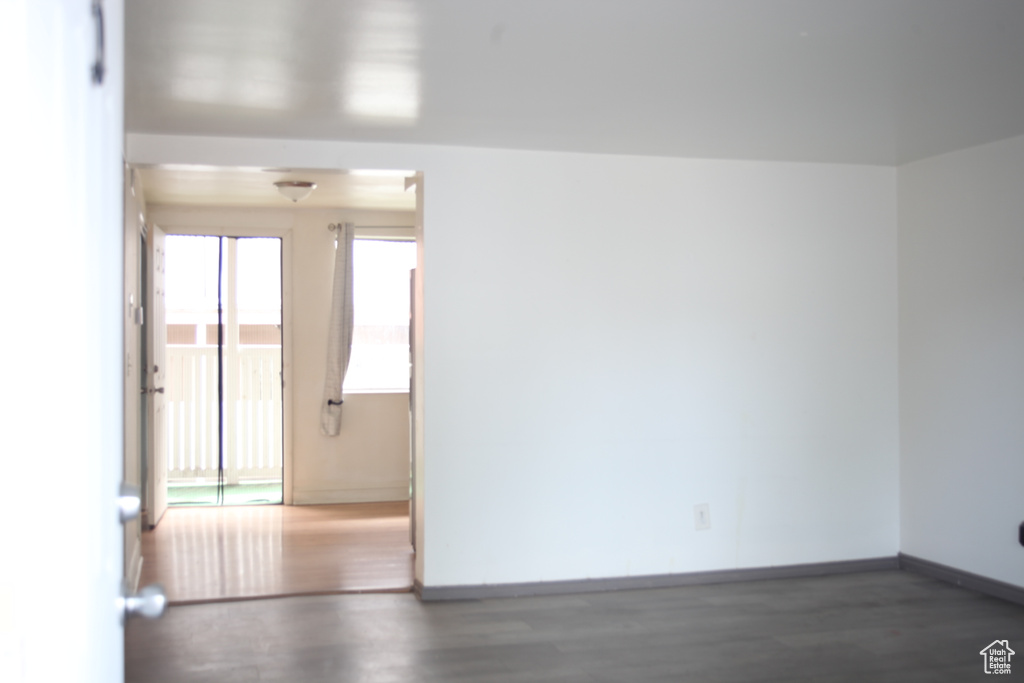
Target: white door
(61,407)
(156,352)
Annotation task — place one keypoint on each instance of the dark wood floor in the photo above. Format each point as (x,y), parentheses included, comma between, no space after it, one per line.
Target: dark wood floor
(205,554)
(882,626)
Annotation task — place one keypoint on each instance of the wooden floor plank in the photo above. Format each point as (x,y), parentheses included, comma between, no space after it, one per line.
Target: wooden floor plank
(205,554)
(879,626)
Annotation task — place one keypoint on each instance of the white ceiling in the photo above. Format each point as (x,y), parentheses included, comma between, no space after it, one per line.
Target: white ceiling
(254,187)
(852,81)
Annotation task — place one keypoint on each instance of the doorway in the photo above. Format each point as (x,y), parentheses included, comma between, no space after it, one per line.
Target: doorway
(349,494)
(224,397)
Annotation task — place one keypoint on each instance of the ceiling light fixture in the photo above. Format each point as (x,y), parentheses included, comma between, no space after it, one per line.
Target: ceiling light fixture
(295,190)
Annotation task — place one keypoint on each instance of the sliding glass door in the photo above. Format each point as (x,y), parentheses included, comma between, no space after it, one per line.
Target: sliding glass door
(224,380)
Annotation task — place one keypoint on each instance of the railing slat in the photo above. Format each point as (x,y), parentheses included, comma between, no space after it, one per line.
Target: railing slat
(192,414)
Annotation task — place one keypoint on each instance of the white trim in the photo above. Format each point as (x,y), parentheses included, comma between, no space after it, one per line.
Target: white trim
(386,233)
(221,231)
(287,369)
(357,392)
(285,235)
(367,495)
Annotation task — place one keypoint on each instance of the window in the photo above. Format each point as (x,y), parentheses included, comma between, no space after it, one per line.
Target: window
(380,339)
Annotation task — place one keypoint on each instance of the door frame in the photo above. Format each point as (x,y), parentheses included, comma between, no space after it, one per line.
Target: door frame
(153,151)
(155,404)
(134,308)
(417,452)
(285,235)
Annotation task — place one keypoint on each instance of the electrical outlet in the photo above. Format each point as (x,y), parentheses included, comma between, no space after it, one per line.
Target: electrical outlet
(702,517)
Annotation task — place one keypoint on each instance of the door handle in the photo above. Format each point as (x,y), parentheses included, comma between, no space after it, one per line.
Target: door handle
(150,602)
(129,502)
(155,390)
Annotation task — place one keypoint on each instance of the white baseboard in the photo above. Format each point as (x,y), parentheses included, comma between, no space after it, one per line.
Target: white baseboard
(329,496)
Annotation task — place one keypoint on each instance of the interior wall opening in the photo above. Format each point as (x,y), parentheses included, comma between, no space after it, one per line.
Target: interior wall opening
(346,519)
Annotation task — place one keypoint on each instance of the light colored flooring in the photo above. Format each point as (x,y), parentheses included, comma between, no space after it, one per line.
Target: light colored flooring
(890,626)
(206,554)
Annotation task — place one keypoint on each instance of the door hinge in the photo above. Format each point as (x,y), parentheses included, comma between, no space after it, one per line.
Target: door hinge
(99,67)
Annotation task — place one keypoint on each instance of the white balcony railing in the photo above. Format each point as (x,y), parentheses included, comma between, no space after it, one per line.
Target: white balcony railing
(252,414)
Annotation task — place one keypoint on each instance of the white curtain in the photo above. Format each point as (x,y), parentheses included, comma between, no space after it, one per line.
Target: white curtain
(339,335)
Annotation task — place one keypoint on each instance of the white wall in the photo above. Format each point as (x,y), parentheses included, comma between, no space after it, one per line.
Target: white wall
(961,265)
(611,340)
(369,461)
